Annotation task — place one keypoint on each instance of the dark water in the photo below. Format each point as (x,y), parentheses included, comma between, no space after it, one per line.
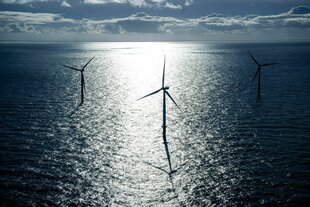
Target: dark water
(230,148)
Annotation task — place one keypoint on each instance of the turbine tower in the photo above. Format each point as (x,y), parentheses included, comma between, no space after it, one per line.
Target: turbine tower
(165,92)
(82,78)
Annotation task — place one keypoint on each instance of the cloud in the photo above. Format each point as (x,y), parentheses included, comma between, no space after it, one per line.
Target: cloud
(300,10)
(105,1)
(298,18)
(170,4)
(23,1)
(26,22)
(34,2)
(138,23)
(28,17)
(65,4)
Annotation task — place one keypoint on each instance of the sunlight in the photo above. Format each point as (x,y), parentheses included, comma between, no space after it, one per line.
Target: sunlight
(143,67)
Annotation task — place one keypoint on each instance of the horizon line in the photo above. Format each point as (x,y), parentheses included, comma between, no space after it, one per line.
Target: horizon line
(157,41)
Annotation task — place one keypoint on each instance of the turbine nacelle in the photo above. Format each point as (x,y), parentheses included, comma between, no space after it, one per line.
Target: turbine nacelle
(259,65)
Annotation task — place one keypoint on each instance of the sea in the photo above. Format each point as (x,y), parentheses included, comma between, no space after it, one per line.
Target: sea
(228,146)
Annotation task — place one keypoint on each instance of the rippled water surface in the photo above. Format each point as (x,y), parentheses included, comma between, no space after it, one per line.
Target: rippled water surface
(229,147)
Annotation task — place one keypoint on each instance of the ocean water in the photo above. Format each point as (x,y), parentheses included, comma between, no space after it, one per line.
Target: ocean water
(230,148)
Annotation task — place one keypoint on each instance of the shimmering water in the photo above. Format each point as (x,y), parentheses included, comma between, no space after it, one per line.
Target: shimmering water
(230,148)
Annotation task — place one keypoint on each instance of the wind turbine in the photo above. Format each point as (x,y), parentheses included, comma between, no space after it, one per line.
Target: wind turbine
(165,92)
(82,78)
(258,71)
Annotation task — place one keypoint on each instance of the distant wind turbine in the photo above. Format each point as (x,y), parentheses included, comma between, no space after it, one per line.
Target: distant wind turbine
(165,92)
(82,78)
(258,71)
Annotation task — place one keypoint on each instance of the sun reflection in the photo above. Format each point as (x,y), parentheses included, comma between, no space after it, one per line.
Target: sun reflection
(126,72)
(141,73)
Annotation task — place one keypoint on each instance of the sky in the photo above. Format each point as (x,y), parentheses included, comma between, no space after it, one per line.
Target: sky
(154,20)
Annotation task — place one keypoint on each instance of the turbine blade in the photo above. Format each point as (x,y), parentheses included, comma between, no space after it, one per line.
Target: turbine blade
(87,63)
(163,81)
(255,74)
(172,99)
(253,58)
(150,94)
(72,68)
(269,64)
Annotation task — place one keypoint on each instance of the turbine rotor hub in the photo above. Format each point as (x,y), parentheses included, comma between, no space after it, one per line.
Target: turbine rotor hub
(166,88)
